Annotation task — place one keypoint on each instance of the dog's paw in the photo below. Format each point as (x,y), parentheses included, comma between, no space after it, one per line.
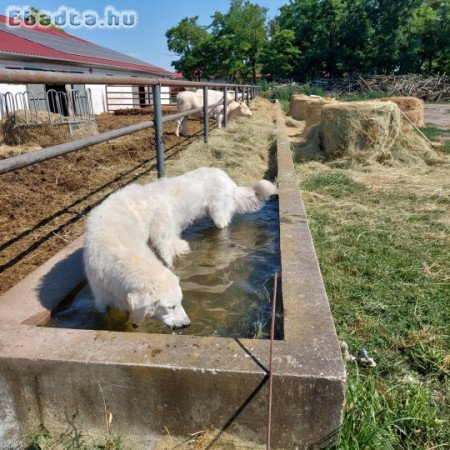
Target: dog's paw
(182,247)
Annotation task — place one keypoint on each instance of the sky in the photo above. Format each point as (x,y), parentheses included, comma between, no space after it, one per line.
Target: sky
(147,40)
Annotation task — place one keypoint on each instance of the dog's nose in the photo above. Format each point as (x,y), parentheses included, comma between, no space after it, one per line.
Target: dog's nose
(179,327)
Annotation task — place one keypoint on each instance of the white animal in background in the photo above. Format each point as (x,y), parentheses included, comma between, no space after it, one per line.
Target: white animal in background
(187,100)
(132,227)
(235,109)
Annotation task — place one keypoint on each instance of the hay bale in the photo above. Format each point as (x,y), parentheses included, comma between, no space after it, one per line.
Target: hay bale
(296,107)
(303,107)
(412,107)
(314,108)
(33,128)
(359,128)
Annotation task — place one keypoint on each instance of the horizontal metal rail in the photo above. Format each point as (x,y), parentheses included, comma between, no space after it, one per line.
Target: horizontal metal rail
(37,156)
(36,77)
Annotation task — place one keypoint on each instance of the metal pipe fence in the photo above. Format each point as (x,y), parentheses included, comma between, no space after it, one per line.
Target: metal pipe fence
(34,77)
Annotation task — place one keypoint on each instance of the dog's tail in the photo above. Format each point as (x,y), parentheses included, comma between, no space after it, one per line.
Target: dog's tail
(251,199)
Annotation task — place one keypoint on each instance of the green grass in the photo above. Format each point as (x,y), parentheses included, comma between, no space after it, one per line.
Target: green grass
(284,92)
(284,105)
(385,261)
(437,134)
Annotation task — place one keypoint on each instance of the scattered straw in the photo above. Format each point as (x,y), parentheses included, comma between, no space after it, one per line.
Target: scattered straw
(242,149)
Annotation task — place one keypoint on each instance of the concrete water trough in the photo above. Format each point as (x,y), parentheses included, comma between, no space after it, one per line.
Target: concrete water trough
(143,386)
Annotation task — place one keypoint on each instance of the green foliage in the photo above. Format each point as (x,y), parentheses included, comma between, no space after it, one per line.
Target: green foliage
(279,55)
(285,91)
(311,38)
(189,40)
(284,105)
(344,36)
(378,416)
(228,48)
(361,96)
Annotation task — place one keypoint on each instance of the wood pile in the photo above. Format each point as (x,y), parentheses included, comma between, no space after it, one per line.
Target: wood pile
(434,88)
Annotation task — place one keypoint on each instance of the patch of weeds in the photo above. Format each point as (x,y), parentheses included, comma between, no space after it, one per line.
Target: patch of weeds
(438,134)
(284,105)
(434,132)
(427,360)
(397,416)
(71,439)
(361,96)
(335,184)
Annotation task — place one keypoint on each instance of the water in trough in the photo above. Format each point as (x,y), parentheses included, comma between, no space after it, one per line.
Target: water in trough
(227,282)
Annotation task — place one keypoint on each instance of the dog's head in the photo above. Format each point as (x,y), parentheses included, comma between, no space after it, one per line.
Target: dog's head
(163,304)
(169,310)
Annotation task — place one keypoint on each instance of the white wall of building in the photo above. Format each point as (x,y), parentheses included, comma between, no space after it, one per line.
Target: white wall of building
(125,99)
(13,89)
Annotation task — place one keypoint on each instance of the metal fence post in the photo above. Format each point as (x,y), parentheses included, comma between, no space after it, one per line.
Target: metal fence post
(225,107)
(205,113)
(248,95)
(157,118)
(236,94)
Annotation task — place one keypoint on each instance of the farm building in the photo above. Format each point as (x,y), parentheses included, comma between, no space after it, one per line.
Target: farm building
(43,48)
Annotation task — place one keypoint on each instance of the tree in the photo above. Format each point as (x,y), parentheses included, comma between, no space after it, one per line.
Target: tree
(317,26)
(279,56)
(426,43)
(244,27)
(228,48)
(188,40)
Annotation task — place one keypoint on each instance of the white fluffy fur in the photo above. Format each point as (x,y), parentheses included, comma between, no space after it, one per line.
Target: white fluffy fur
(124,270)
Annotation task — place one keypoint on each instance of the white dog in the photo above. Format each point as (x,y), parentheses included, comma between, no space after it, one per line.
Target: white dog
(123,269)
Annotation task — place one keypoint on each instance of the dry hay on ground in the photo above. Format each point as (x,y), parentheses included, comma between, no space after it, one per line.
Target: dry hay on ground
(364,132)
(142,111)
(303,107)
(412,107)
(309,148)
(241,149)
(33,129)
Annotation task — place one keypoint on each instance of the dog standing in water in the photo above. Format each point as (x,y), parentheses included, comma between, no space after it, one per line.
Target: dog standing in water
(133,237)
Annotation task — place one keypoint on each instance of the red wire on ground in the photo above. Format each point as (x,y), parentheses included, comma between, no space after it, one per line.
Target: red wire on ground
(272,334)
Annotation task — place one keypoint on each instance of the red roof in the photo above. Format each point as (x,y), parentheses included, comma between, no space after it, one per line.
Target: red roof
(47,43)
(177,76)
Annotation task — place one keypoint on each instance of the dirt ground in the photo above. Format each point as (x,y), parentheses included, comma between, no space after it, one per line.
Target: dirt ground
(42,206)
(438,114)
